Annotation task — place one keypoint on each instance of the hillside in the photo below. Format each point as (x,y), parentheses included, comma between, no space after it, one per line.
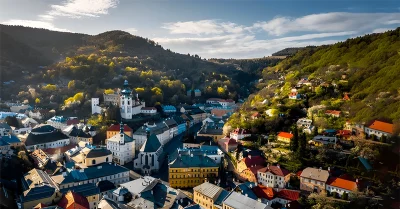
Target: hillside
(290,51)
(51,68)
(366,68)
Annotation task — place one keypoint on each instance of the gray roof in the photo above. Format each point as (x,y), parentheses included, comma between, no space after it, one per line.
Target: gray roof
(139,185)
(98,152)
(236,200)
(208,189)
(10,139)
(84,189)
(315,174)
(157,129)
(5,126)
(37,193)
(93,172)
(34,139)
(185,161)
(171,122)
(152,144)
(43,129)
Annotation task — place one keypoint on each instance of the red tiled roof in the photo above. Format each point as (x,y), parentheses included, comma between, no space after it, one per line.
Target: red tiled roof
(285,135)
(253,160)
(73,198)
(275,170)
(218,112)
(256,114)
(346,97)
(264,192)
(286,194)
(299,173)
(72,121)
(116,127)
(293,94)
(344,132)
(382,126)
(333,112)
(254,169)
(342,183)
(52,151)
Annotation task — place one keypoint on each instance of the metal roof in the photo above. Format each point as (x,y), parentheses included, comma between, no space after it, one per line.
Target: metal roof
(236,200)
(208,189)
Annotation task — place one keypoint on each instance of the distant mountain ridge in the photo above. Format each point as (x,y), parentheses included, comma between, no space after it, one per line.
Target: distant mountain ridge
(290,51)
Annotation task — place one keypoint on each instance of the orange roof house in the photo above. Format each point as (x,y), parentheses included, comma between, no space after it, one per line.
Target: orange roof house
(72,200)
(276,170)
(284,137)
(250,174)
(382,126)
(334,113)
(264,192)
(342,183)
(346,97)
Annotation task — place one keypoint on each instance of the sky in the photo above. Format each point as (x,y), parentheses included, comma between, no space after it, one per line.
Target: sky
(212,28)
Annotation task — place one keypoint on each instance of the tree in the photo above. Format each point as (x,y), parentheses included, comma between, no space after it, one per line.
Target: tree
(109,91)
(12,121)
(37,101)
(302,145)
(220,91)
(315,130)
(294,143)
(71,84)
(49,87)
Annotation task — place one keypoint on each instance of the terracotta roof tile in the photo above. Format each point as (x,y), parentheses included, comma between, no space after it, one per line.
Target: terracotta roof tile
(73,198)
(116,127)
(333,112)
(342,183)
(52,151)
(286,194)
(285,135)
(275,170)
(382,126)
(264,192)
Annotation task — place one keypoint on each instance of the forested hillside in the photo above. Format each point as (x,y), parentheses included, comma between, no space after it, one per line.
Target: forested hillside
(52,68)
(366,68)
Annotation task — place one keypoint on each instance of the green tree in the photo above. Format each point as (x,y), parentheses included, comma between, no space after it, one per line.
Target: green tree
(109,91)
(294,143)
(37,101)
(302,145)
(49,87)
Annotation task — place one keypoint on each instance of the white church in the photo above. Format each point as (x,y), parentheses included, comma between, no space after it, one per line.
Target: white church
(129,106)
(148,160)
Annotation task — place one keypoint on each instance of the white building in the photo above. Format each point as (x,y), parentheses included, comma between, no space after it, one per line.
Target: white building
(58,122)
(29,122)
(148,110)
(379,129)
(95,106)
(148,160)
(122,147)
(273,176)
(304,123)
(222,102)
(239,134)
(128,105)
(44,140)
(341,186)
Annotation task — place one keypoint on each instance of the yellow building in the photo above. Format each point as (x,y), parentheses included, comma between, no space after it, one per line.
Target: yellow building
(38,188)
(209,195)
(188,171)
(284,137)
(92,156)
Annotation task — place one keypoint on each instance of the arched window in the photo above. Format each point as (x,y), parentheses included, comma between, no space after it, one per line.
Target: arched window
(146,160)
(93,161)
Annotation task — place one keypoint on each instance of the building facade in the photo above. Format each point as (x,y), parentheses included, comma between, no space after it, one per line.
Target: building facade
(273,176)
(313,180)
(96,106)
(122,147)
(129,106)
(187,171)
(149,160)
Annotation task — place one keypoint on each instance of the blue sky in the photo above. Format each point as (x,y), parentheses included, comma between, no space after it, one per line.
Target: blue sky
(212,28)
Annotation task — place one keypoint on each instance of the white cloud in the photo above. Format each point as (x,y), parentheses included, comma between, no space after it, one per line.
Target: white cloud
(202,27)
(82,8)
(315,35)
(131,30)
(35,24)
(328,22)
(46,17)
(381,30)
